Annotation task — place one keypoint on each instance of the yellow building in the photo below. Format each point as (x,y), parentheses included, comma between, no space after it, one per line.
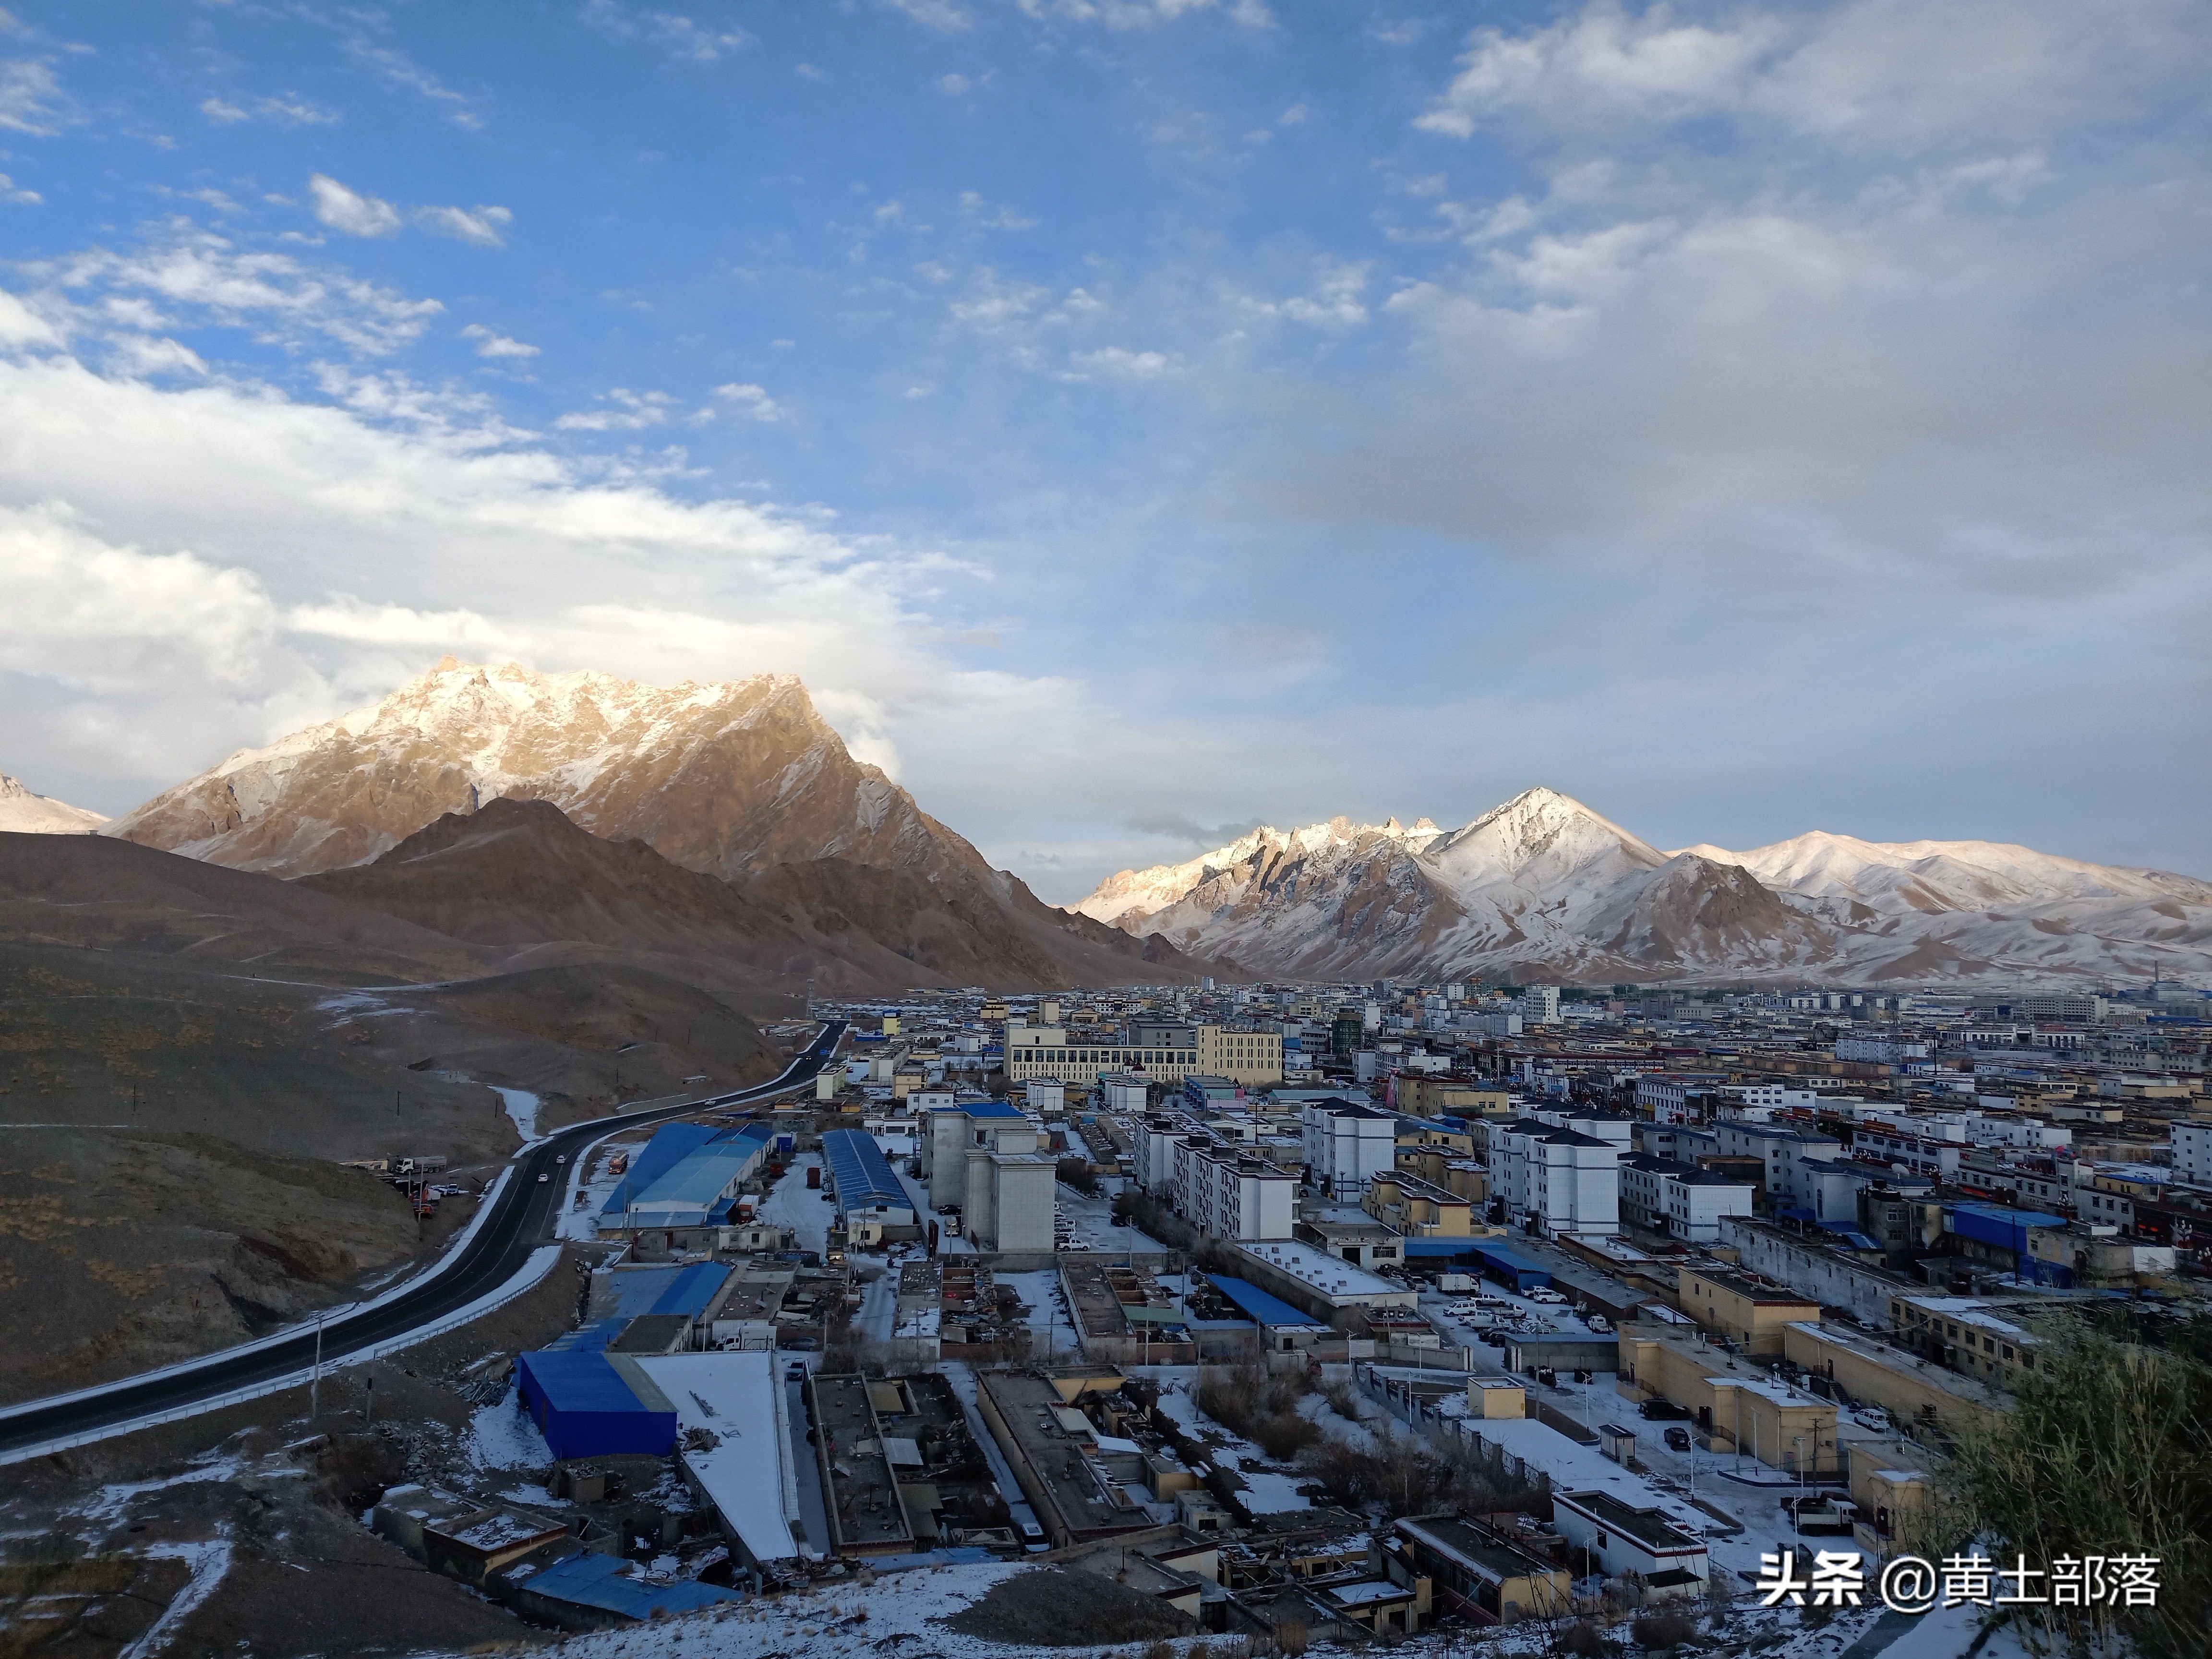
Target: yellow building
(1459,1175)
(1430,1097)
(1742,1309)
(1417,1208)
(1914,1391)
(1252,1059)
(1733,1403)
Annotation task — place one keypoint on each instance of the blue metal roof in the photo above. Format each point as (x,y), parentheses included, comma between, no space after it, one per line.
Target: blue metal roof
(862,1175)
(671,1143)
(694,1289)
(594,1338)
(1264,1308)
(1449,1249)
(702,1176)
(981,1109)
(572,1380)
(2001,1212)
(634,1290)
(603,1581)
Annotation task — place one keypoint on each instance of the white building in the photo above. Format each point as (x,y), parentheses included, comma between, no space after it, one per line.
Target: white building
(1347,1145)
(2192,1152)
(1627,1537)
(1561,1180)
(1697,1202)
(1781,1151)
(1226,1194)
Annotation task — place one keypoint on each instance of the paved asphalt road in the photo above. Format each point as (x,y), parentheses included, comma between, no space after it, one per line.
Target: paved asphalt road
(521,1221)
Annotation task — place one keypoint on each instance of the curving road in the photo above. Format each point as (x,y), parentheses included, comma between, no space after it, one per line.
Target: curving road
(521,1219)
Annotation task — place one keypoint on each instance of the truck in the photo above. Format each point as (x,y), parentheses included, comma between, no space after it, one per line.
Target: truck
(1456,1281)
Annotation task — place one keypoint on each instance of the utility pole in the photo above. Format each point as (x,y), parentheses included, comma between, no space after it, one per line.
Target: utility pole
(367,1398)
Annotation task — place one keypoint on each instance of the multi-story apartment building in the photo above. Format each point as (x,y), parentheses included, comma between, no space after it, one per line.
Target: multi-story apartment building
(1781,1151)
(2192,1151)
(1226,1194)
(1165,1053)
(1555,1180)
(1347,1145)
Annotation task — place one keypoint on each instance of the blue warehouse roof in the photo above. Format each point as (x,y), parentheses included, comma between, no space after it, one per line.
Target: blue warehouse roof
(671,1143)
(693,1290)
(1262,1307)
(706,1172)
(859,1172)
(577,1381)
(592,1580)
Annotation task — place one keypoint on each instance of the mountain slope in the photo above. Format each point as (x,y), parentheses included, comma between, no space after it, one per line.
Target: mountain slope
(733,783)
(718,778)
(1543,887)
(24,813)
(521,878)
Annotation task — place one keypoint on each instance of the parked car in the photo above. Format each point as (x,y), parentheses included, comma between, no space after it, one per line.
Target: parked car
(1677,1438)
(1664,1411)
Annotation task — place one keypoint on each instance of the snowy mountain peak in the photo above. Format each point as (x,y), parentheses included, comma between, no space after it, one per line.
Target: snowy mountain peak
(719,776)
(1542,884)
(24,813)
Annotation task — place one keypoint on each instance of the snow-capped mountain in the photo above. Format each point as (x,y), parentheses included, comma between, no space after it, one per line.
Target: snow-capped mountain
(1543,886)
(743,780)
(24,813)
(722,778)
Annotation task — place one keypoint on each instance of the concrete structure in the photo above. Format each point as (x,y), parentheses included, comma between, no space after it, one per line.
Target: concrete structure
(1347,1146)
(1417,1208)
(1165,1053)
(1485,1576)
(1739,1309)
(1733,1405)
(1622,1537)
(1322,1284)
(1052,1449)
(737,1451)
(1555,1180)
(1695,1204)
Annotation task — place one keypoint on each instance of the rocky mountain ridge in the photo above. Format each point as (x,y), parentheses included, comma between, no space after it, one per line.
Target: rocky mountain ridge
(24,813)
(840,876)
(1542,886)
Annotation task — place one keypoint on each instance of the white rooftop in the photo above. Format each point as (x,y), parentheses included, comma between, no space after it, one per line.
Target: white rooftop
(749,1476)
(1327,1274)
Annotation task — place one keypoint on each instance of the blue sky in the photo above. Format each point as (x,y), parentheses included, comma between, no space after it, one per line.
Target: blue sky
(1134,420)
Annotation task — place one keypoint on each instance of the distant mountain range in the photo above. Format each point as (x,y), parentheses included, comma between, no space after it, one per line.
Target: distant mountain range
(1544,888)
(725,826)
(26,814)
(723,833)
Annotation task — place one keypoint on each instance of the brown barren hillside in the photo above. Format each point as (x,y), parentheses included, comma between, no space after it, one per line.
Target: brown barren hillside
(519,876)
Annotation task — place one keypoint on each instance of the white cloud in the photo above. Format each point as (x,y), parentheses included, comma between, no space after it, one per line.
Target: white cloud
(632,411)
(992,218)
(480,228)
(954,86)
(678,35)
(1296,115)
(345,210)
(31,97)
(401,71)
(1146,14)
(751,401)
(207,279)
(10,192)
(1118,363)
(939,14)
(261,563)
(285,110)
(492,344)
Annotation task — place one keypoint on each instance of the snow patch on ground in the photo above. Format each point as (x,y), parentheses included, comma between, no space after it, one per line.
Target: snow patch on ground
(207,1562)
(108,1506)
(503,1436)
(795,1205)
(522,1106)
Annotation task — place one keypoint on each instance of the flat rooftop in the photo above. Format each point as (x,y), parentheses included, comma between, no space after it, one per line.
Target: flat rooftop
(1744,1284)
(864,1510)
(1316,1268)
